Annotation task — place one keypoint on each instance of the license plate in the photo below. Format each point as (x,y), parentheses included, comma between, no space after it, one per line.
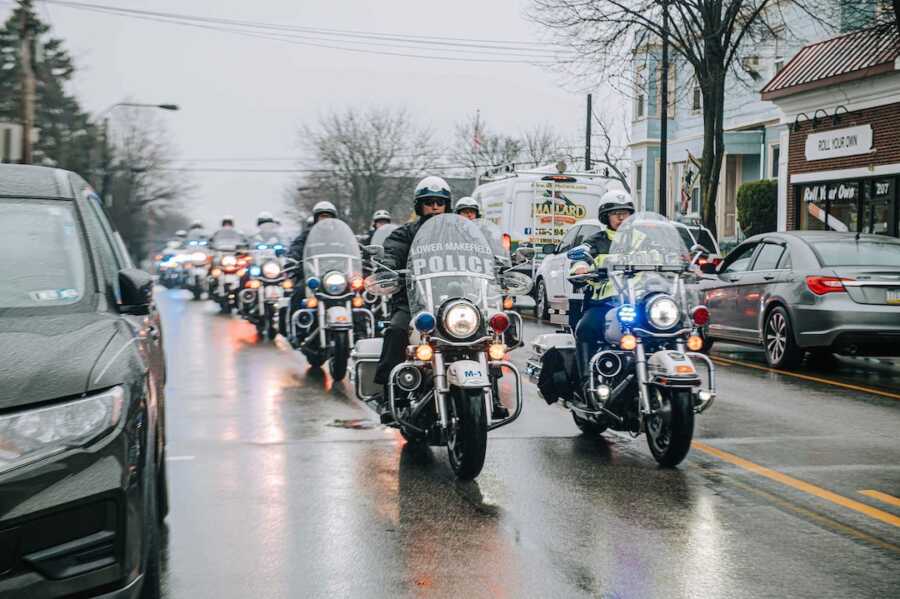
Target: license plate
(893,296)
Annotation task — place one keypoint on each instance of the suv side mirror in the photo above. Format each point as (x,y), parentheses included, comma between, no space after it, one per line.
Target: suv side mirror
(548,249)
(525,252)
(137,291)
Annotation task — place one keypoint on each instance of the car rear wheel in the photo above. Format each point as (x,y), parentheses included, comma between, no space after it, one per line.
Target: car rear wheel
(778,339)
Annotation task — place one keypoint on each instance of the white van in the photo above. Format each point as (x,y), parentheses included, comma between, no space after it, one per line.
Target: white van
(538,207)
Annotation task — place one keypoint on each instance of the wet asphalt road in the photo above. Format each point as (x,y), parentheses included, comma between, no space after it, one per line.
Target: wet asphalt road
(283,486)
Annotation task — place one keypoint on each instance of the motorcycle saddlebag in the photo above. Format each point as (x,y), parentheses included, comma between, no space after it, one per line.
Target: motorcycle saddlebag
(559,374)
(365,356)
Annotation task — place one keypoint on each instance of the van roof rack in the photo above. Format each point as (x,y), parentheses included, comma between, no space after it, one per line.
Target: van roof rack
(510,169)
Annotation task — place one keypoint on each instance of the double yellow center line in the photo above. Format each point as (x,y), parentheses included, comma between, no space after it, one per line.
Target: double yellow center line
(803,486)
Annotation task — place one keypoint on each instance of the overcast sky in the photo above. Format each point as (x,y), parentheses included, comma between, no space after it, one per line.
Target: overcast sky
(245,98)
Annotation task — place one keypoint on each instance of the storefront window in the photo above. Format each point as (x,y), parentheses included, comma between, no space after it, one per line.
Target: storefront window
(843,207)
(813,207)
(879,207)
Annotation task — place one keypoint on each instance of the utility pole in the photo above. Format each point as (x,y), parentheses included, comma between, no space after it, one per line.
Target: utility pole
(28,85)
(664,112)
(587,137)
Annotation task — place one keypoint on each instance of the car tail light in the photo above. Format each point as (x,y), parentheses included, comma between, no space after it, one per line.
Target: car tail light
(700,316)
(823,285)
(499,322)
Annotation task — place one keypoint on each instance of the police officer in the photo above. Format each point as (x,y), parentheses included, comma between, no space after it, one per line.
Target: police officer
(615,208)
(432,196)
(321,211)
(379,219)
(468,207)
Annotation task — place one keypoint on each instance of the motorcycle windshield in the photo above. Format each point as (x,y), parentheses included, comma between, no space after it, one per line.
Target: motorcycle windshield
(227,240)
(330,246)
(450,258)
(382,233)
(494,236)
(650,240)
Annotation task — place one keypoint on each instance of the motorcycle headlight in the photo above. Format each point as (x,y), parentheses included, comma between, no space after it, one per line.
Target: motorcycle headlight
(461,320)
(663,312)
(335,283)
(31,435)
(198,257)
(270,269)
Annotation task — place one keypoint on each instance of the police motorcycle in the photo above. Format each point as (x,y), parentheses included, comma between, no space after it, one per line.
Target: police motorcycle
(377,304)
(170,265)
(229,264)
(334,314)
(266,288)
(644,379)
(196,267)
(445,393)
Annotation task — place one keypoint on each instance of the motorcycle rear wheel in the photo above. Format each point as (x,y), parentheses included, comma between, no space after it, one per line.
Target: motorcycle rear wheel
(671,429)
(340,357)
(467,437)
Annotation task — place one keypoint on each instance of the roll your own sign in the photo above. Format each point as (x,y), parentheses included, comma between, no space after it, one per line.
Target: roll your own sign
(839,143)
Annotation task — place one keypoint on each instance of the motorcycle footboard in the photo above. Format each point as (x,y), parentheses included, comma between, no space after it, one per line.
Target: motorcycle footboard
(519,396)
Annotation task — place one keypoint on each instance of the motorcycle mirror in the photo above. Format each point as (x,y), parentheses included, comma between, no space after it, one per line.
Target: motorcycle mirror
(516,283)
(373,251)
(579,253)
(525,252)
(382,284)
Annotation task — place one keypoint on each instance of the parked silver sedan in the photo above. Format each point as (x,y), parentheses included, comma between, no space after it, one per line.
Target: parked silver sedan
(822,292)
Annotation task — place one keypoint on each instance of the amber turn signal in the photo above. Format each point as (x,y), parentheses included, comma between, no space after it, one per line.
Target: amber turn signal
(628,342)
(695,343)
(424,353)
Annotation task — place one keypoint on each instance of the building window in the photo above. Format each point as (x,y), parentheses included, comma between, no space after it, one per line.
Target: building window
(774,157)
(640,92)
(670,95)
(696,99)
(638,184)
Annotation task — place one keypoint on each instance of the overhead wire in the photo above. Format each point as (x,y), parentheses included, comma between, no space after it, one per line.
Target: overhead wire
(313,37)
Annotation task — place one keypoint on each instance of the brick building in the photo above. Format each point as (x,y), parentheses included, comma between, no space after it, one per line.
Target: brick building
(841,100)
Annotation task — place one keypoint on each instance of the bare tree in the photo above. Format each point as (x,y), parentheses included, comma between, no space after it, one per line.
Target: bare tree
(139,188)
(542,144)
(366,160)
(707,34)
(476,147)
(613,152)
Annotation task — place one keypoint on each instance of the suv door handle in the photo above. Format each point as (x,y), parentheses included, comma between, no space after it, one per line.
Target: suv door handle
(734,279)
(768,277)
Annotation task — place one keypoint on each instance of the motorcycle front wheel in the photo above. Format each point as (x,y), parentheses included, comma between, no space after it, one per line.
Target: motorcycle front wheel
(671,428)
(340,357)
(467,437)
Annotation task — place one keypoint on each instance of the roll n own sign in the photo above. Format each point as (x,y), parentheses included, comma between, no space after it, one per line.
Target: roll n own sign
(838,143)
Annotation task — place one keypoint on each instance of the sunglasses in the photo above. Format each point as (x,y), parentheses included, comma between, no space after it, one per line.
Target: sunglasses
(434,202)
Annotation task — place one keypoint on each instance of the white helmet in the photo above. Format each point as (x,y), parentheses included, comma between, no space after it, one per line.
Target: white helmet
(381,215)
(196,225)
(264,217)
(227,221)
(432,187)
(324,208)
(470,203)
(181,233)
(612,201)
